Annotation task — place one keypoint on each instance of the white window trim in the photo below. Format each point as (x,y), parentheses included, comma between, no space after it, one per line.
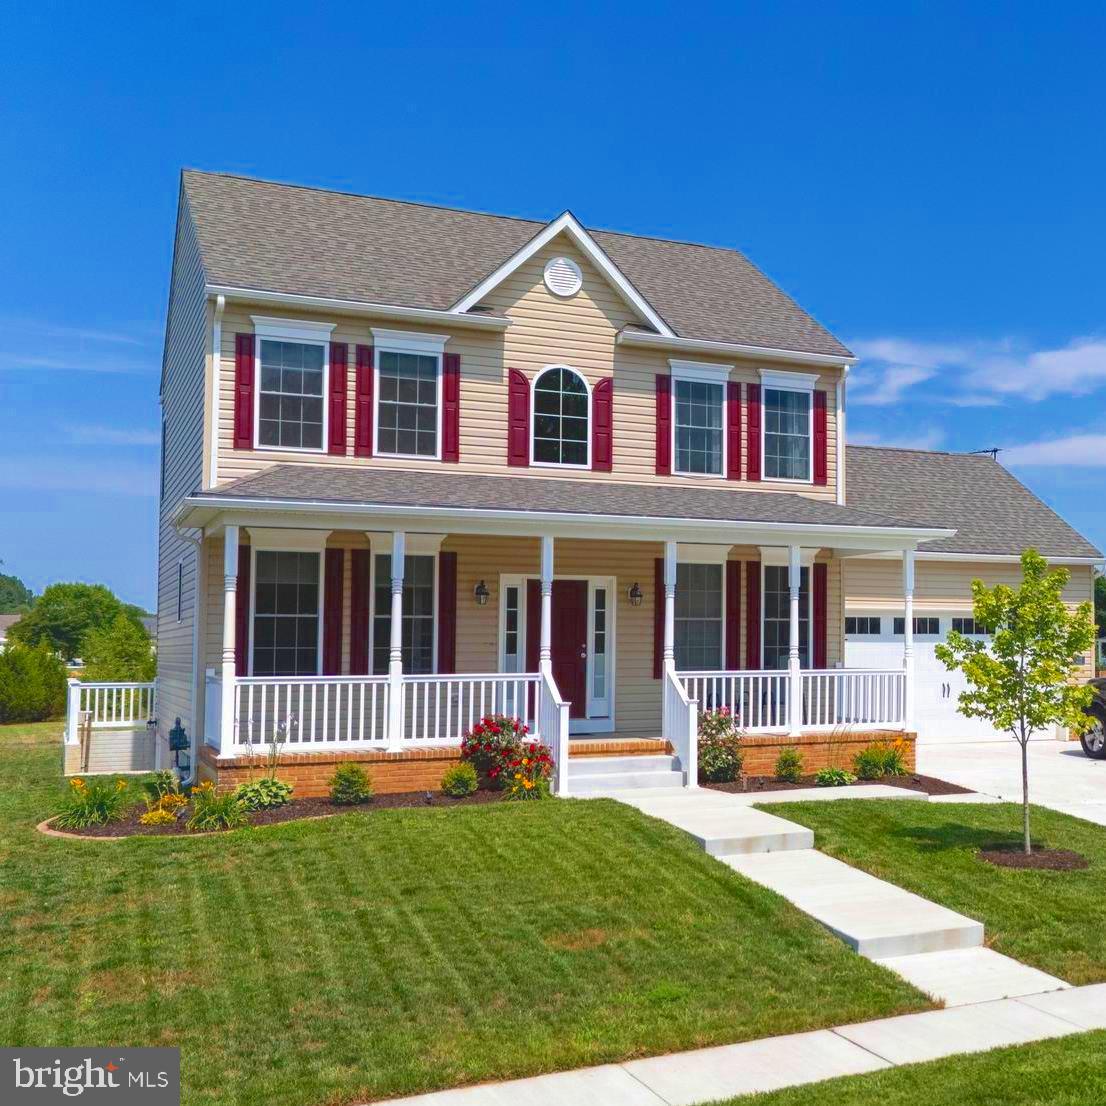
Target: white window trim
(775,381)
(700,372)
(423,345)
(305,332)
(533,419)
(415,545)
(708,555)
(809,566)
(263,548)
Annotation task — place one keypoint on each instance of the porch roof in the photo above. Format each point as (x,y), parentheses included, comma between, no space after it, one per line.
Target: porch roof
(381,491)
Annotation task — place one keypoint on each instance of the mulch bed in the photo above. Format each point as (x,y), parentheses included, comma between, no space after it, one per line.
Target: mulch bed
(296,810)
(1052,860)
(912,782)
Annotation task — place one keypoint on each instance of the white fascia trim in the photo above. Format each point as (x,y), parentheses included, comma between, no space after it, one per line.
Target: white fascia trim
(296,330)
(992,558)
(760,353)
(569,224)
(795,382)
(287,539)
(409,341)
(360,307)
(702,371)
(902,537)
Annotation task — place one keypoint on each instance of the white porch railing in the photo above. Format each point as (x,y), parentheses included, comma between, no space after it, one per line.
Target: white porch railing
(830,697)
(439,709)
(109,705)
(854,697)
(757,699)
(552,728)
(681,726)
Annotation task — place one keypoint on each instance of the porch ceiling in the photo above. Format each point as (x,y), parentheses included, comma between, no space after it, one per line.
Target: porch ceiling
(379,498)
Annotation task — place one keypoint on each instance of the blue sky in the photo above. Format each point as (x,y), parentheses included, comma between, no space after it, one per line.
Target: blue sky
(926,179)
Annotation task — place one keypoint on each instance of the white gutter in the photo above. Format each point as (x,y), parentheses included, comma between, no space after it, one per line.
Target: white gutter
(216,363)
(987,558)
(223,503)
(758,353)
(328,303)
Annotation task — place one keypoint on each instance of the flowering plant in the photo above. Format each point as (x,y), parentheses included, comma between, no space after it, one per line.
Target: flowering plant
(527,773)
(491,743)
(719,746)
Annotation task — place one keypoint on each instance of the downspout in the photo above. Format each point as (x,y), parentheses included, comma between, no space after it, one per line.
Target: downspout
(216,361)
(196,541)
(841,435)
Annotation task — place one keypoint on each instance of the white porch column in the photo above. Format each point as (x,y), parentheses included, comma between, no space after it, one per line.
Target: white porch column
(908,637)
(669,605)
(794,667)
(545,640)
(229,697)
(395,644)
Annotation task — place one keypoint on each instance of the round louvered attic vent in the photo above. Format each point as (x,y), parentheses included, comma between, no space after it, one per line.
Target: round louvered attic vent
(563,276)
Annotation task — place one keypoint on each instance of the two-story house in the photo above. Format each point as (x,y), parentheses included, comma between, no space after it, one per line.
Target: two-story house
(422,464)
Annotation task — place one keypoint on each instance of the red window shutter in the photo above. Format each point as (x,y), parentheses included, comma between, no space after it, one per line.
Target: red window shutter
(752,615)
(658,616)
(242,614)
(451,410)
(363,403)
(533,625)
(820,597)
(339,384)
(447,612)
(602,434)
(518,418)
(752,431)
(359,613)
(243,391)
(664,427)
(733,615)
(334,563)
(821,440)
(733,430)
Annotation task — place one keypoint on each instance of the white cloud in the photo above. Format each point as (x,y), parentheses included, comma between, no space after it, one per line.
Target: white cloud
(42,345)
(1076,449)
(980,373)
(112,435)
(927,438)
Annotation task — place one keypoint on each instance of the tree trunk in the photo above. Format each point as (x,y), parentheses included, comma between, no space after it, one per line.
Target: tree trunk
(1025,795)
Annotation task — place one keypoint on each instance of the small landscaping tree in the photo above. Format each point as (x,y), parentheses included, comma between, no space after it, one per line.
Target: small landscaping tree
(118,651)
(32,684)
(1021,680)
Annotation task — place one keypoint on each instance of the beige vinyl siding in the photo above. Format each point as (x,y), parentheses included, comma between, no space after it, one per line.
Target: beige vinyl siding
(182,406)
(546,330)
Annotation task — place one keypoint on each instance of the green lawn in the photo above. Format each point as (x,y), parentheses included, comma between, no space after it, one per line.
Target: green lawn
(1065,1072)
(364,957)
(1051,920)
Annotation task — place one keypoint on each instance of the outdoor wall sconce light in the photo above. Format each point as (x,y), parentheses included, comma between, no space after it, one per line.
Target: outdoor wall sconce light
(635,595)
(480,593)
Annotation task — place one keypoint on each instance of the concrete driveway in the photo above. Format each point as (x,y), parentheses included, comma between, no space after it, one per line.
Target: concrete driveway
(1060,776)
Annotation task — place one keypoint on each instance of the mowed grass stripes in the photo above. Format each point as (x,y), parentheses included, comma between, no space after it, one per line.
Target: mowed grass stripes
(368,956)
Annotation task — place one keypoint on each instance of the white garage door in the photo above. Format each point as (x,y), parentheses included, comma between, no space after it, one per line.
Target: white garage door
(872,641)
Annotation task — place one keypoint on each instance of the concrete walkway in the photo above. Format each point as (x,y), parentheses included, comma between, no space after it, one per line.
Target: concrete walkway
(708,1074)
(1060,776)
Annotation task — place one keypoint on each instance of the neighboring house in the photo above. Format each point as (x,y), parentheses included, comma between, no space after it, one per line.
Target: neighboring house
(422,463)
(7,621)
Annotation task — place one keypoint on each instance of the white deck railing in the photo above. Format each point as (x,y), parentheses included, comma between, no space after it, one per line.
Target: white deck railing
(758,700)
(681,726)
(552,730)
(439,709)
(854,697)
(109,705)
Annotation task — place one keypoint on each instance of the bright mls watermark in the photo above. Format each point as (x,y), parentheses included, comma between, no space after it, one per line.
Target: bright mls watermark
(138,1076)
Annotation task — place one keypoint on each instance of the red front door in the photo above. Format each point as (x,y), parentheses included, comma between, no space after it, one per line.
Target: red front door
(570,639)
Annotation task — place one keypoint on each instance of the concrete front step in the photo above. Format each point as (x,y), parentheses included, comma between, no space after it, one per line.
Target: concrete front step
(594,775)
(612,766)
(877,919)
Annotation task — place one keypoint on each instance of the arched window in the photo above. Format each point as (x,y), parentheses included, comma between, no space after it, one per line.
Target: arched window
(561,412)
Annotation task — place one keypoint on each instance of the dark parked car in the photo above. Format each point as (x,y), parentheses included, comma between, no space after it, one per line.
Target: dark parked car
(1094,740)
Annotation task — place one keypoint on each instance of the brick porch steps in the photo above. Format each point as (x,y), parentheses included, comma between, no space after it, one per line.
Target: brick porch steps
(617,746)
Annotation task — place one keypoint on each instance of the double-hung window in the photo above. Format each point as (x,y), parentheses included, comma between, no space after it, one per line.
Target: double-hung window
(293,365)
(788,426)
(777,617)
(418,613)
(698,617)
(286,620)
(699,418)
(408,393)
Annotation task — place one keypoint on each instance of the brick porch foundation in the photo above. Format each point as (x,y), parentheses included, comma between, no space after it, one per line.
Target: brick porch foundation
(819,750)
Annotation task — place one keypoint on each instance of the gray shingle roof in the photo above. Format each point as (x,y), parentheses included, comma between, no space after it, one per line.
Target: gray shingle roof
(402,487)
(992,511)
(307,241)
